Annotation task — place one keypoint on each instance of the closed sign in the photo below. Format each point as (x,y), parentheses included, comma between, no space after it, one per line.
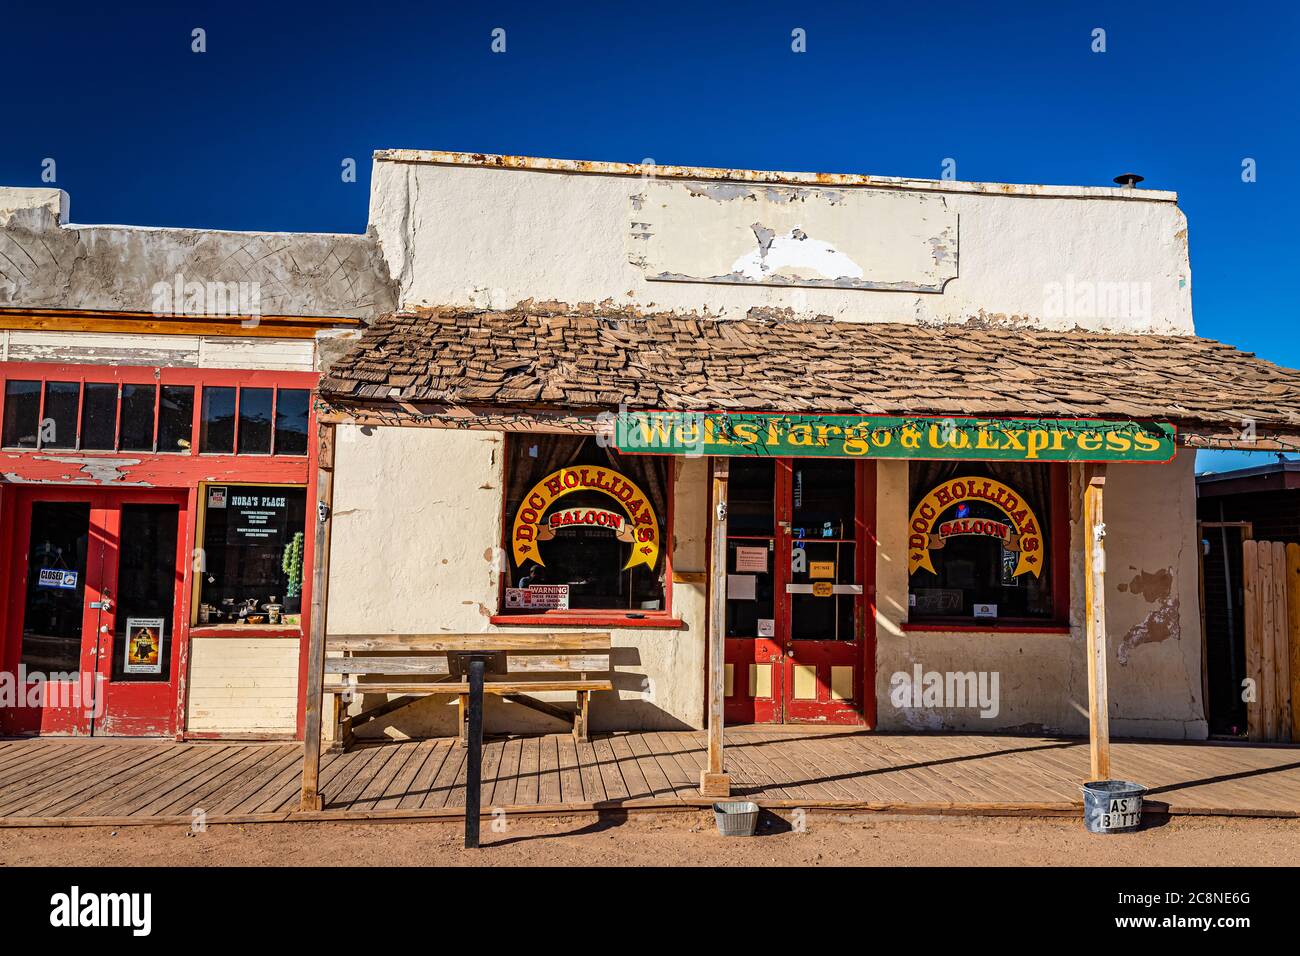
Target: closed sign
(57,578)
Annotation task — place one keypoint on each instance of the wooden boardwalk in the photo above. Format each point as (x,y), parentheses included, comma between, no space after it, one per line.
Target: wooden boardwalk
(51,781)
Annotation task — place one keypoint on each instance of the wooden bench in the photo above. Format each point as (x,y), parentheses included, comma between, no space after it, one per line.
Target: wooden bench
(422,665)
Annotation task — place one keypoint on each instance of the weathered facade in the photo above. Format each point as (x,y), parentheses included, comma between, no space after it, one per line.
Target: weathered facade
(154,379)
(476,352)
(539,294)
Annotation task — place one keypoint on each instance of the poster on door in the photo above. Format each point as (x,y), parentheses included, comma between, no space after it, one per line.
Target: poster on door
(144,639)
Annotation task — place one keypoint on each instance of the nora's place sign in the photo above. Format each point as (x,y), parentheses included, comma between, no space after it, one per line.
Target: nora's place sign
(871,436)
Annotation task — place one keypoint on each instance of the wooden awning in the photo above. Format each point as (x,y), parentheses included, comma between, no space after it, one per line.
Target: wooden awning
(492,368)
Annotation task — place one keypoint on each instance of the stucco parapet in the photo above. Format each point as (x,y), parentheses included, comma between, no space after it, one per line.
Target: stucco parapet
(651,170)
(46,263)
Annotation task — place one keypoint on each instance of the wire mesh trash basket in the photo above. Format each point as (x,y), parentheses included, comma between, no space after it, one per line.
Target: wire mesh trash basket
(736,817)
(1112,806)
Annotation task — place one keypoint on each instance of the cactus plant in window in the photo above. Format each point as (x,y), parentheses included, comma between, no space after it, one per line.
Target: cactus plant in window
(292,565)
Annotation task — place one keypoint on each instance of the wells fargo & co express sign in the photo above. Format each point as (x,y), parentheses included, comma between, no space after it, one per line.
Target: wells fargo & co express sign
(637,525)
(870,436)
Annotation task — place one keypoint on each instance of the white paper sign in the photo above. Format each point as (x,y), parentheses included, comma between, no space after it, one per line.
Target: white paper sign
(741,587)
(751,560)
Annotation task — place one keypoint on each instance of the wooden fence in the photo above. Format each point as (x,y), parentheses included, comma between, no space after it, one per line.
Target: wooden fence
(1271,582)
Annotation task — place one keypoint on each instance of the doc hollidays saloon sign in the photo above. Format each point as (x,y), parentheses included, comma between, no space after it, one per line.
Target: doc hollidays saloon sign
(944,514)
(634,522)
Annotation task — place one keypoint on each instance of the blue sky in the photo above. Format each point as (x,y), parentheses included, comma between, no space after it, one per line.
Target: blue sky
(251,133)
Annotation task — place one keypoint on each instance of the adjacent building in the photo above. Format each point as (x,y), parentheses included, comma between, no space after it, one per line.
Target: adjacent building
(156,470)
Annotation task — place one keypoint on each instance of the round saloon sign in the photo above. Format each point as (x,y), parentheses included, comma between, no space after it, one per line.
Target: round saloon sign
(932,525)
(636,525)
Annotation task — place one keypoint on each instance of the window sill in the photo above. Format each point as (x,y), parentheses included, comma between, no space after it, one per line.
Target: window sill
(990,628)
(246,630)
(659,620)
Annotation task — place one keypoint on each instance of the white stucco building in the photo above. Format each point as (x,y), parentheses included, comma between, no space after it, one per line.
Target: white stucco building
(538,297)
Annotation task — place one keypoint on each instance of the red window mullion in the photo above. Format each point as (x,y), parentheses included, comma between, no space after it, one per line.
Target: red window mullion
(117,420)
(275,406)
(40,413)
(196,418)
(81,407)
(239,394)
(157,412)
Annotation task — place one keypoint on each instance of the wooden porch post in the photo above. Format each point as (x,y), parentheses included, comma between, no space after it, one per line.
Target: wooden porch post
(713,781)
(311,798)
(1094,545)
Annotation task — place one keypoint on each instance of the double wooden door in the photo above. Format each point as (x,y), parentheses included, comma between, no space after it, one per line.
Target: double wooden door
(800,565)
(94,611)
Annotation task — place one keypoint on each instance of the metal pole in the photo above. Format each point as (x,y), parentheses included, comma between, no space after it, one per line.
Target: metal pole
(474,773)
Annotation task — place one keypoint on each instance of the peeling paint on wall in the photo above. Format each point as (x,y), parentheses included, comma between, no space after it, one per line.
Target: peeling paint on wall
(96,469)
(1151,585)
(741,233)
(1160,623)
(794,255)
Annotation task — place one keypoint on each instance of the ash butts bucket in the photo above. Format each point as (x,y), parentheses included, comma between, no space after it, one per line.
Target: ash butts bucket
(1112,806)
(736,817)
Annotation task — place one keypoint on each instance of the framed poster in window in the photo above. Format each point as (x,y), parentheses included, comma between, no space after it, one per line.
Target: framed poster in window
(144,645)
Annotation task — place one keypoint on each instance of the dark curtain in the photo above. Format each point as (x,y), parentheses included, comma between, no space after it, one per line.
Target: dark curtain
(553,452)
(1032,481)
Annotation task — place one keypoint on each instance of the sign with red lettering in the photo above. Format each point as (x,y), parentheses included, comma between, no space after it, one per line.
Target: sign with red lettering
(637,525)
(928,528)
(538,597)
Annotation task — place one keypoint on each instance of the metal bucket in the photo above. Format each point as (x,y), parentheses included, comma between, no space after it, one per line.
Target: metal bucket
(1112,806)
(736,817)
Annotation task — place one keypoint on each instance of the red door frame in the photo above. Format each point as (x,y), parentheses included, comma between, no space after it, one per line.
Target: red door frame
(740,707)
(129,708)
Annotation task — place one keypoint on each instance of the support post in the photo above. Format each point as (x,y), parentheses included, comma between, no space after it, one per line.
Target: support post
(474,758)
(311,798)
(1094,532)
(713,781)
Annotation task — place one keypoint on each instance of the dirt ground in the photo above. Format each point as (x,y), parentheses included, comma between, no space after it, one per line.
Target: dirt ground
(685,838)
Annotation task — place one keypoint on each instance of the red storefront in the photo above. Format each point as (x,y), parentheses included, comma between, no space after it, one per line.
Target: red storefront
(142,509)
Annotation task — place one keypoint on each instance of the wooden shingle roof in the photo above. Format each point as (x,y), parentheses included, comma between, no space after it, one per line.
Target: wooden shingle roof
(564,359)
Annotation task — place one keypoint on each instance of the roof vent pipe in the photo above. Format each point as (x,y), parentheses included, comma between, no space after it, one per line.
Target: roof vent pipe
(1128,180)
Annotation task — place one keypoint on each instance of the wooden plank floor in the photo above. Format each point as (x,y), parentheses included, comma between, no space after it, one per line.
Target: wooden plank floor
(50,780)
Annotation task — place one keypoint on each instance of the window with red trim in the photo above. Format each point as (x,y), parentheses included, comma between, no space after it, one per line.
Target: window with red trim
(154,417)
(986,543)
(585,527)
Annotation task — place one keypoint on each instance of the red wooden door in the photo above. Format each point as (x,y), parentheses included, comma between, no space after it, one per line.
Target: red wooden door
(89,564)
(797,642)
(753,648)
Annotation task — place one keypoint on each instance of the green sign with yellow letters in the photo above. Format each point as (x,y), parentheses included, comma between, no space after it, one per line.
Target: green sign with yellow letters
(872,436)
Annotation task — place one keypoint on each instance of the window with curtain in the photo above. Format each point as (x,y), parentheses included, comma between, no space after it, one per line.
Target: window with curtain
(979,542)
(585,527)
